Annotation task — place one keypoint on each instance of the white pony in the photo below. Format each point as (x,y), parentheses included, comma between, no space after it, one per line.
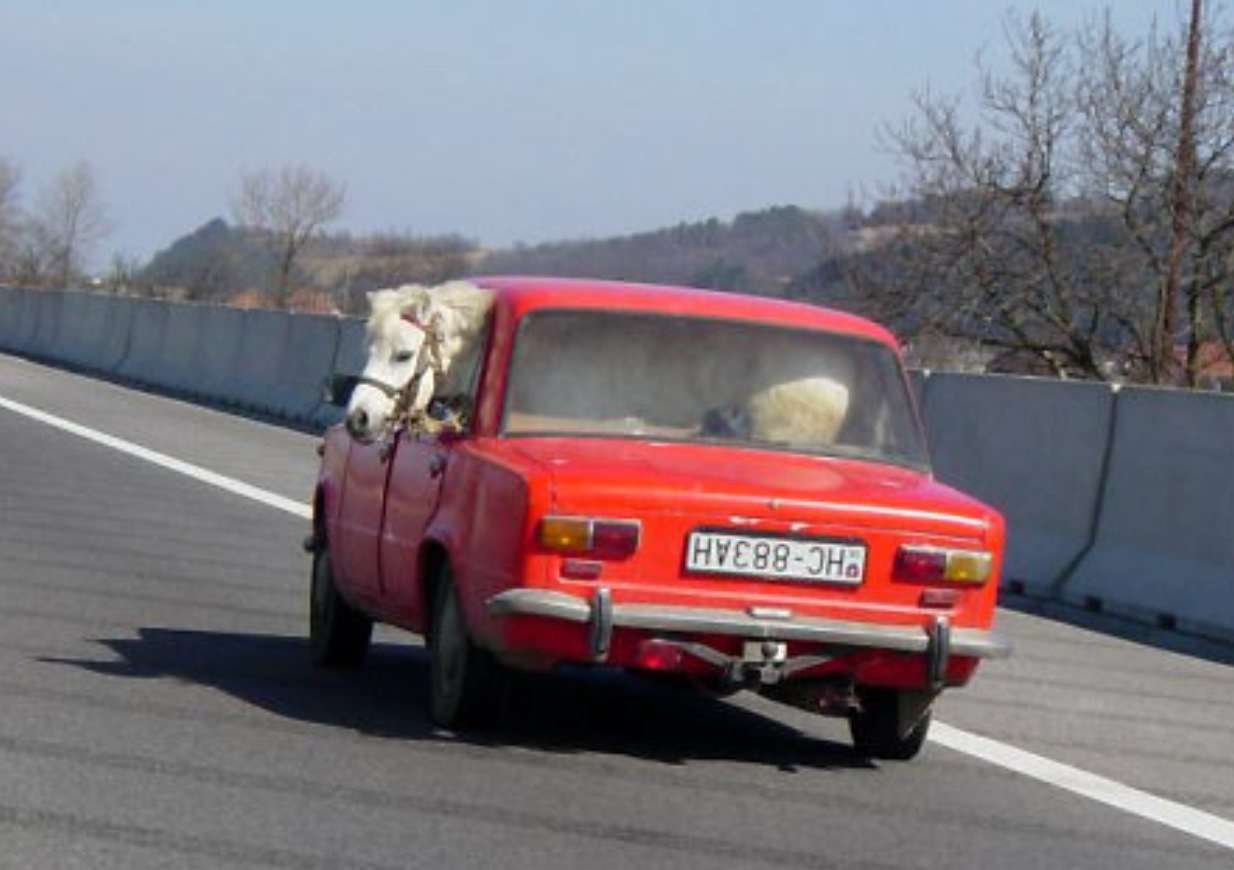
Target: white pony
(415,334)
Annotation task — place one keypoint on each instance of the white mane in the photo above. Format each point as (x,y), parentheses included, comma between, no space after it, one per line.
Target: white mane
(385,309)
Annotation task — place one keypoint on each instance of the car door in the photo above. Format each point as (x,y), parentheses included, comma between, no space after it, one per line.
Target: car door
(411,500)
(356,558)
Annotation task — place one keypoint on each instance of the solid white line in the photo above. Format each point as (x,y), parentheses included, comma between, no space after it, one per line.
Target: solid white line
(1183,818)
(196,472)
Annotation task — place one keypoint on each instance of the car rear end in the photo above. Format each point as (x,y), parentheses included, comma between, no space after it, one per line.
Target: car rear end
(744,503)
(748,583)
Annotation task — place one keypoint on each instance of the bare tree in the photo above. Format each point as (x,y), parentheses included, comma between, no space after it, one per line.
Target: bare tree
(989,260)
(124,276)
(69,219)
(1094,193)
(10,217)
(1157,134)
(287,206)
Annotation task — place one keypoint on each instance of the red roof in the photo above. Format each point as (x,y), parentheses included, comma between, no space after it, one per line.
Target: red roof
(525,294)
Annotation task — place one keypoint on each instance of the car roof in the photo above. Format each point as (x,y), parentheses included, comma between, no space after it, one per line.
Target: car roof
(526,293)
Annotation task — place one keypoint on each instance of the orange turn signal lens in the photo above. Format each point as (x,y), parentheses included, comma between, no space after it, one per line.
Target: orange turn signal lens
(565,534)
(600,539)
(964,566)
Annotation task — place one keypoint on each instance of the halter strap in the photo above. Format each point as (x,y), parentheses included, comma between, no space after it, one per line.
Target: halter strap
(390,391)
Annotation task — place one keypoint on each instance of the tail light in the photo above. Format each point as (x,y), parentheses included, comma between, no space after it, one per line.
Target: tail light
(584,536)
(918,564)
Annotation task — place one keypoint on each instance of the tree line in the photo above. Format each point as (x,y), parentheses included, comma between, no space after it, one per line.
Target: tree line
(1084,217)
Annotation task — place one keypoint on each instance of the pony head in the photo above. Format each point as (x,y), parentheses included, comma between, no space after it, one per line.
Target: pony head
(396,329)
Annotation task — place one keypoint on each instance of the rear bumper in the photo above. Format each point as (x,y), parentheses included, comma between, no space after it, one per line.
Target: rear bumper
(937,640)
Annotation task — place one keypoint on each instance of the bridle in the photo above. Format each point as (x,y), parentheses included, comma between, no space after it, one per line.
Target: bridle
(432,342)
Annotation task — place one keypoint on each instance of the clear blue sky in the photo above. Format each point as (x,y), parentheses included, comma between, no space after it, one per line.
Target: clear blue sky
(503,120)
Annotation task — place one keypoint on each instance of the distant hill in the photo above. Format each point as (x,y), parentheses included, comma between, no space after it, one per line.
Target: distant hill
(757,252)
(776,251)
(211,263)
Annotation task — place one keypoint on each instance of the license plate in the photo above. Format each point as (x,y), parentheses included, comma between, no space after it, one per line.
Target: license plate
(822,560)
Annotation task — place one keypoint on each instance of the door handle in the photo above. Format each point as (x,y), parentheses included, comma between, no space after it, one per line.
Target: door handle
(436,465)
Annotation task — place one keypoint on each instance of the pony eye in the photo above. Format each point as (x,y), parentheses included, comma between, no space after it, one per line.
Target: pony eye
(403,356)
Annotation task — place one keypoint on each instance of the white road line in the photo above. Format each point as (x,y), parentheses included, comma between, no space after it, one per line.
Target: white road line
(1172,814)
(196,472)
(1181,817)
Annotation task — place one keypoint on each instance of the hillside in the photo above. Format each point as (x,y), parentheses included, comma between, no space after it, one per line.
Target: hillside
(758,252)
(775,251)
(211,263)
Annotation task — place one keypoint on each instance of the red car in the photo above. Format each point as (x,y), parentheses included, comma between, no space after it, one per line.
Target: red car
(728,489)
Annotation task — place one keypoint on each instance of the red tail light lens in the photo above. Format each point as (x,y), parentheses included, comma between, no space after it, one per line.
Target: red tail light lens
(614,540)
(920,565)
(583,536)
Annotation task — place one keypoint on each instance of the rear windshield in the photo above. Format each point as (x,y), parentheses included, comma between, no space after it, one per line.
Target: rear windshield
(664,377)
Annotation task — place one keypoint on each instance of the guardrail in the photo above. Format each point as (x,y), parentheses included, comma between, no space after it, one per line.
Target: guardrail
(1119,500)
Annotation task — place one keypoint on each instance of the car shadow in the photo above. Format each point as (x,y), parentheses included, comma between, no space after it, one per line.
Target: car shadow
(571,711)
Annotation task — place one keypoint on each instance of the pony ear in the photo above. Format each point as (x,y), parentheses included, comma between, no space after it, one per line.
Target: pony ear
(422,308)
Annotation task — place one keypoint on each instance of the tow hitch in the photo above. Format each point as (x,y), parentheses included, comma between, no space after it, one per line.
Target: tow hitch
(761,663)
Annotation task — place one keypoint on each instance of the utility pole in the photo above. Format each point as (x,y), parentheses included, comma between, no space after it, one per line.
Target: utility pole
(1180,201)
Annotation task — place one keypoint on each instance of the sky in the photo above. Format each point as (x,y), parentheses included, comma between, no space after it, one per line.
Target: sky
(505,121)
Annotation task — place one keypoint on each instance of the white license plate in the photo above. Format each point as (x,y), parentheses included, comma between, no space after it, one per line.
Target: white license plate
(817,559)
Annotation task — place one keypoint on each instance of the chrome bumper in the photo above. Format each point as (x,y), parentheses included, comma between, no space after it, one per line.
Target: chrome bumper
(938,640)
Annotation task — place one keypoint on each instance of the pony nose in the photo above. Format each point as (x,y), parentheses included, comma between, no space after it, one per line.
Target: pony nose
(357,422)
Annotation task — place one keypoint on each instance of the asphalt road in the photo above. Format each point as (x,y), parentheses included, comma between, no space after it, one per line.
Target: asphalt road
(157,708)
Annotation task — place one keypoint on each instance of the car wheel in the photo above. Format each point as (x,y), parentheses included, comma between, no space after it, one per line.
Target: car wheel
(876,727)
(465,679)
(339,634)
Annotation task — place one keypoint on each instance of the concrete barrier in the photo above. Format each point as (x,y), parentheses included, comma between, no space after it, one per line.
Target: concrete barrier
(264,338)
(1034,449)
(27,321)
(10,313)
(180,352)
(113,347)
(144,362)
(311,347)
(82,330)
(352,348)
(1164,549)
(45,340)
(220,330)
(349,357)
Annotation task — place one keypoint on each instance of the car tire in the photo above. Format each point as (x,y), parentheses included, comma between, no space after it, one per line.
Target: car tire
(465,680)
(875,728)
(339,635)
